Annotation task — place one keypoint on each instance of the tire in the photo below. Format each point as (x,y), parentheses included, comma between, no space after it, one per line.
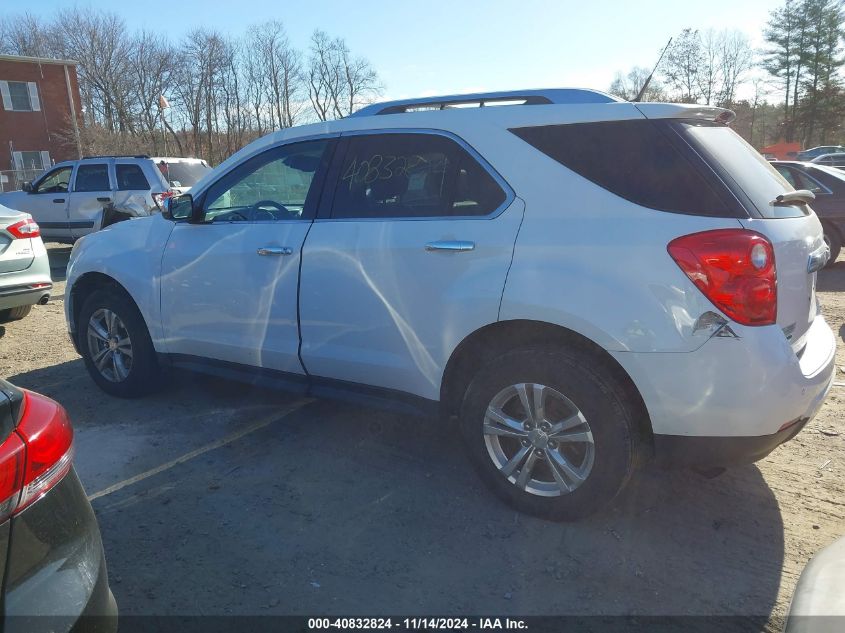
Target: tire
(831,236)
(576,383)
(125,370)
(14,314)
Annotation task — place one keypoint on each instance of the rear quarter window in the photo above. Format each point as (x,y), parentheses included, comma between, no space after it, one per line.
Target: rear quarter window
(639,160)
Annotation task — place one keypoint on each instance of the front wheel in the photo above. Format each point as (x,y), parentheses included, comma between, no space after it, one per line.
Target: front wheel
(551,432)
(116,345)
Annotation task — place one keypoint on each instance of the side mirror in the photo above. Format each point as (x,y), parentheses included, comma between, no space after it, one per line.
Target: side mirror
(179,207)
(27,186)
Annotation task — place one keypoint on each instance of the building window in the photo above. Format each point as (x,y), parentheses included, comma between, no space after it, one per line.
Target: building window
(19,92)
(20,96)
(31,161)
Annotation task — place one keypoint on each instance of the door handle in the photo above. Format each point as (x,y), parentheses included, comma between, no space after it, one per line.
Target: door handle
(103,199)
(57,200)
(275,250)
(450,245)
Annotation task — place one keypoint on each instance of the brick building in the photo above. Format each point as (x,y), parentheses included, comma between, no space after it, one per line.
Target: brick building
(39,114)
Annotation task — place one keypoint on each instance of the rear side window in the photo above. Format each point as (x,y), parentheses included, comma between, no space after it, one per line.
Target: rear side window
(130,178)
(636,160)
(412,176)
(92,177)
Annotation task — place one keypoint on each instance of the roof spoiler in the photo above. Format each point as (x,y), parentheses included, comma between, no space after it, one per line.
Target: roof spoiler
(685,111)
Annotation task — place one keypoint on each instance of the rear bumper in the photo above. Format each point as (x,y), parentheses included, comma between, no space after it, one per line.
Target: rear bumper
(18,288)
(25,295)
(733,400)
(678,451)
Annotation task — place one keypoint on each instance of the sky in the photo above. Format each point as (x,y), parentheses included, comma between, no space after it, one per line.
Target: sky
(430,47)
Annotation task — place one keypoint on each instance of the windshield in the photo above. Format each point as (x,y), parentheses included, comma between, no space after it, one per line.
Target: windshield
(735,159)
(181,174)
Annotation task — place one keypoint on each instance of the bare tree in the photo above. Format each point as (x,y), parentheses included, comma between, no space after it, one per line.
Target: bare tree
(153,66)
(27,35)
(683,65)
(736,59)
(338,83)
(100,42)
(279,72)
(628,85)
(223,92)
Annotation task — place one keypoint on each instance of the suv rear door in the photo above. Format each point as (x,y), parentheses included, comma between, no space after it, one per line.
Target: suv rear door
(408,256)
(133,189)
(93,188)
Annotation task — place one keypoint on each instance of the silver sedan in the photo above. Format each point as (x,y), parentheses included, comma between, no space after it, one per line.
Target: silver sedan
(24,268)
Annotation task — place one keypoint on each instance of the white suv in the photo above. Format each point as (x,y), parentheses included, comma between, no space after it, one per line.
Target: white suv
(582,283)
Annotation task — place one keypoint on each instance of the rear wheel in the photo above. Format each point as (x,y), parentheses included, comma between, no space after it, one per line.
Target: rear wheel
(834,242)
(116,345)
(550,432)
(13,314)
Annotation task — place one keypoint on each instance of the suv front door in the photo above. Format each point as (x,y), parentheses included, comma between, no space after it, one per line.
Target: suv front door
(409,258)
(229,282)
(47,203)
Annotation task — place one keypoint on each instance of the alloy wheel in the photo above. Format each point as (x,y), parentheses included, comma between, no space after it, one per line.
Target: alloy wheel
(539,439)
(109,345)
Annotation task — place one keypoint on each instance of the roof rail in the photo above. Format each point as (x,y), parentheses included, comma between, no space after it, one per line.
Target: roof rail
(480,99)
(117,156)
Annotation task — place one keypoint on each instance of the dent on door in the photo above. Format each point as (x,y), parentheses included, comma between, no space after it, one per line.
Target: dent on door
(384,303)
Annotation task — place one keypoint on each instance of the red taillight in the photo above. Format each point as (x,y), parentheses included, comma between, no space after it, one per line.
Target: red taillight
(159,198)
(36,455)
(735,269)
(24,228)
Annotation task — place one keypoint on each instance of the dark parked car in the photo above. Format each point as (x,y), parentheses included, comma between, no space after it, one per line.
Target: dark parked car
(831,160)
(828,183)
(50,547)
(811,153)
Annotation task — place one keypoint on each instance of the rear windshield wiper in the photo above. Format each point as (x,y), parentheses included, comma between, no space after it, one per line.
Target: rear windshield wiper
(792,198)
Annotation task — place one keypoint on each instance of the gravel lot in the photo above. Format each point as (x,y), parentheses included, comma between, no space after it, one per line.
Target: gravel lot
(254,502)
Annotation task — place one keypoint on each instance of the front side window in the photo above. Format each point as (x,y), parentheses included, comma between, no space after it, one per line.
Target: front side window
(92,177)
(271,186)
(55,182)
(412,176)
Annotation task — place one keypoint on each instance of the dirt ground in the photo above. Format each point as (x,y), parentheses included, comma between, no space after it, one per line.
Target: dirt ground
(252,502)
